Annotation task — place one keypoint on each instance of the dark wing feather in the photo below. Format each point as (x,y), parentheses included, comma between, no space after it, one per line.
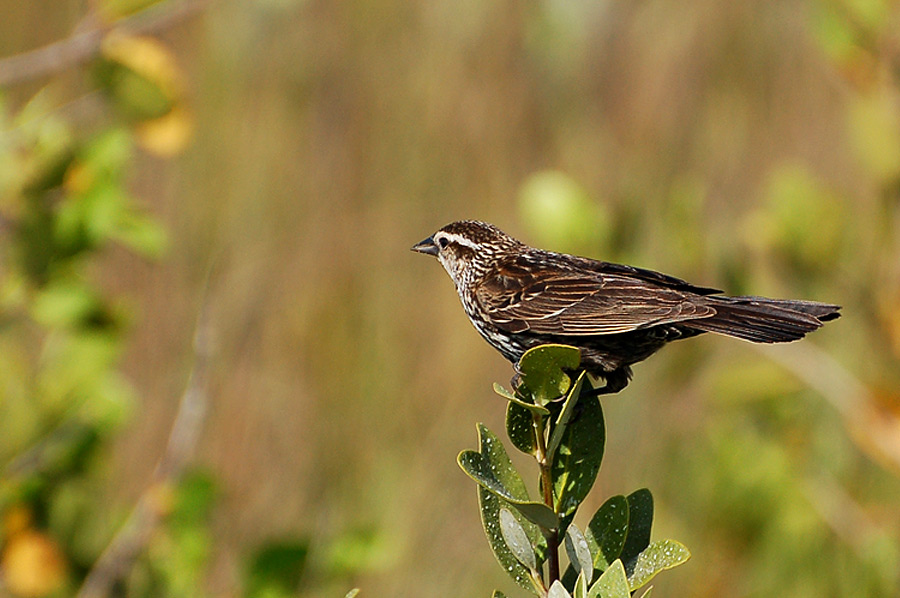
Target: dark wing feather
(521,296)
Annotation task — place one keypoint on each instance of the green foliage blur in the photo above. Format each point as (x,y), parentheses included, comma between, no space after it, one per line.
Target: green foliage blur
(275,159)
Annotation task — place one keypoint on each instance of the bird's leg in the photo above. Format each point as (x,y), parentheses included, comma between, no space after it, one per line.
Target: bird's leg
(516,380)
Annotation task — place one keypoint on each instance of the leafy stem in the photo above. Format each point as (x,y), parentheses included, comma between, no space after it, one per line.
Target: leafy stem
(545,465)
(549,417)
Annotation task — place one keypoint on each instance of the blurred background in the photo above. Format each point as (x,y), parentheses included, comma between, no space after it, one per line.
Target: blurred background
(256,172)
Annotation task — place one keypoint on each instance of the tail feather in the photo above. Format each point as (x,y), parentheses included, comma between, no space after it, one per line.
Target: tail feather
(763,320)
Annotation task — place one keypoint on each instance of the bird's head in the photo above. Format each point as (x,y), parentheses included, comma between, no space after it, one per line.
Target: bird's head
(467,248)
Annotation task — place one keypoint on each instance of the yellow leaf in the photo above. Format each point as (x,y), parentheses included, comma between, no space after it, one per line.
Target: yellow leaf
(32,564)
(167,135)
(145,56)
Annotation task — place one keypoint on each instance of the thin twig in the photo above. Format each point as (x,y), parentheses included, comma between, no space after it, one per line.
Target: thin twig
(84,45)
(152,507)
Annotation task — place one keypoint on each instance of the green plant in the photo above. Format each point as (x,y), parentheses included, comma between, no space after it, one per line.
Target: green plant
(553,416)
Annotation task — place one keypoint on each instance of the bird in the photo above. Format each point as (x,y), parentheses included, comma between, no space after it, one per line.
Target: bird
(519,297)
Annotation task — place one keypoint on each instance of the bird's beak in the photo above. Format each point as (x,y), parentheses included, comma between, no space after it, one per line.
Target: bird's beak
(426,246)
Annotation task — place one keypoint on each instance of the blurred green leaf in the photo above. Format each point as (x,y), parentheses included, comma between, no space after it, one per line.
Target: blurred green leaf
(577,461)
(658,556)
(560,214)
(835,33)
(116,9)
(498,594)
(181,549)
(358,549)
(50,149)
(874,128)
(541,371)
(276,569)
(105,156)
(66,302)
(612,584)
(142,233)
(87,220)
(606,532)
(196,495)
(640,521)
(136,96)
(110,402)
(74,364)
(801,218)
(66,451)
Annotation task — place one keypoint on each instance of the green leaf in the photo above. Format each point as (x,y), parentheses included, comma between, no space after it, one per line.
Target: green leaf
(482,471)
(612,584)
(506,394)
(352,593)
(646,594)
(512,398)
(557,590)
(496,466)
(134,94)
(659,556)
(498,594)
(560,213)
(196,496)
(562,421)
(492,470)
(606,532)
(516,539)
(489,505)
(577,460)
(65,303)
(141,233)
(580,587)
(276,569)
(541,371)
(579,553)
(640,520)
(520,428)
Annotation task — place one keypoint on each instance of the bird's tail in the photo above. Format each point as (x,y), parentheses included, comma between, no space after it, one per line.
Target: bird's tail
(763,320)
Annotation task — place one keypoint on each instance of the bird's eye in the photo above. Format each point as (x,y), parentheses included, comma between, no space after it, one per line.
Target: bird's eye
(443,242)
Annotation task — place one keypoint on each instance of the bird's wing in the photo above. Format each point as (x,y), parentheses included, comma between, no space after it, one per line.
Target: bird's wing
(524,297)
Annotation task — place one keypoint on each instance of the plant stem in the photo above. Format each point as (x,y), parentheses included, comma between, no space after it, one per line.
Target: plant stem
(551,535)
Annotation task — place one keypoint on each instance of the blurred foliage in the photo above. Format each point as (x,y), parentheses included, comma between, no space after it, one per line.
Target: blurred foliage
(303,145)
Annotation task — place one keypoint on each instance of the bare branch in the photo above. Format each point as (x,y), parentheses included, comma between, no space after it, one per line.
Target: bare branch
(152,507)
(84,45)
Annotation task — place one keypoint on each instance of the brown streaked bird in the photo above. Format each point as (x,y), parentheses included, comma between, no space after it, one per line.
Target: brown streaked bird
(519,297)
